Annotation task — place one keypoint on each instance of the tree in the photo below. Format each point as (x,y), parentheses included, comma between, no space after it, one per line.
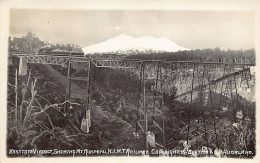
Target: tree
(9,45)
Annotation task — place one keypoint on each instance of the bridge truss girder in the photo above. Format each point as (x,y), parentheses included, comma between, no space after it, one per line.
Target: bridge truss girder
(122,63)
(49,59)
(116,63)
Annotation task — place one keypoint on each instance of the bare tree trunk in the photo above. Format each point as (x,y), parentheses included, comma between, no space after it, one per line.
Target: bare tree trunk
(16,97)
(29,108)
(21,106)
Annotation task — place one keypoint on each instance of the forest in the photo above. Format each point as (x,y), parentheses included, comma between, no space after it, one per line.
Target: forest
(202,55)
(32,44)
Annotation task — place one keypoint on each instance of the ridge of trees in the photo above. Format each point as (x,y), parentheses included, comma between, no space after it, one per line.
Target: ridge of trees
(206,55)
(32,44)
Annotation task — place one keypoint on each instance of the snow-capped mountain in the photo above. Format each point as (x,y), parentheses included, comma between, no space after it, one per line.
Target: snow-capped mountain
(124,44)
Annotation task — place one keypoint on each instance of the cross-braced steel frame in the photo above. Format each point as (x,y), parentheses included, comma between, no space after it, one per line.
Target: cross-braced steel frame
(150,104)
(81,74)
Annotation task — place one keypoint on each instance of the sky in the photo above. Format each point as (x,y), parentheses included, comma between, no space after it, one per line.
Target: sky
(189,29)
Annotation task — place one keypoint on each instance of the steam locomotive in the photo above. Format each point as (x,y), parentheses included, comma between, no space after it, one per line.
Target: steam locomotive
(52,50)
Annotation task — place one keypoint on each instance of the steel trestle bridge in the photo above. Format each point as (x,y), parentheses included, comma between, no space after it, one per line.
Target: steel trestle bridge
(151,120)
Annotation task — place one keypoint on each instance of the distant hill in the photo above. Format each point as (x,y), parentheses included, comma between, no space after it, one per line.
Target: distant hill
(124,44)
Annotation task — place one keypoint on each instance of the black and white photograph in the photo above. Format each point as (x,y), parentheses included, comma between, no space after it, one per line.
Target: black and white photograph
(131,83)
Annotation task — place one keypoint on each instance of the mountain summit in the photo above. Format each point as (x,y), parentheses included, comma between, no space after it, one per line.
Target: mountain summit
(124,44)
